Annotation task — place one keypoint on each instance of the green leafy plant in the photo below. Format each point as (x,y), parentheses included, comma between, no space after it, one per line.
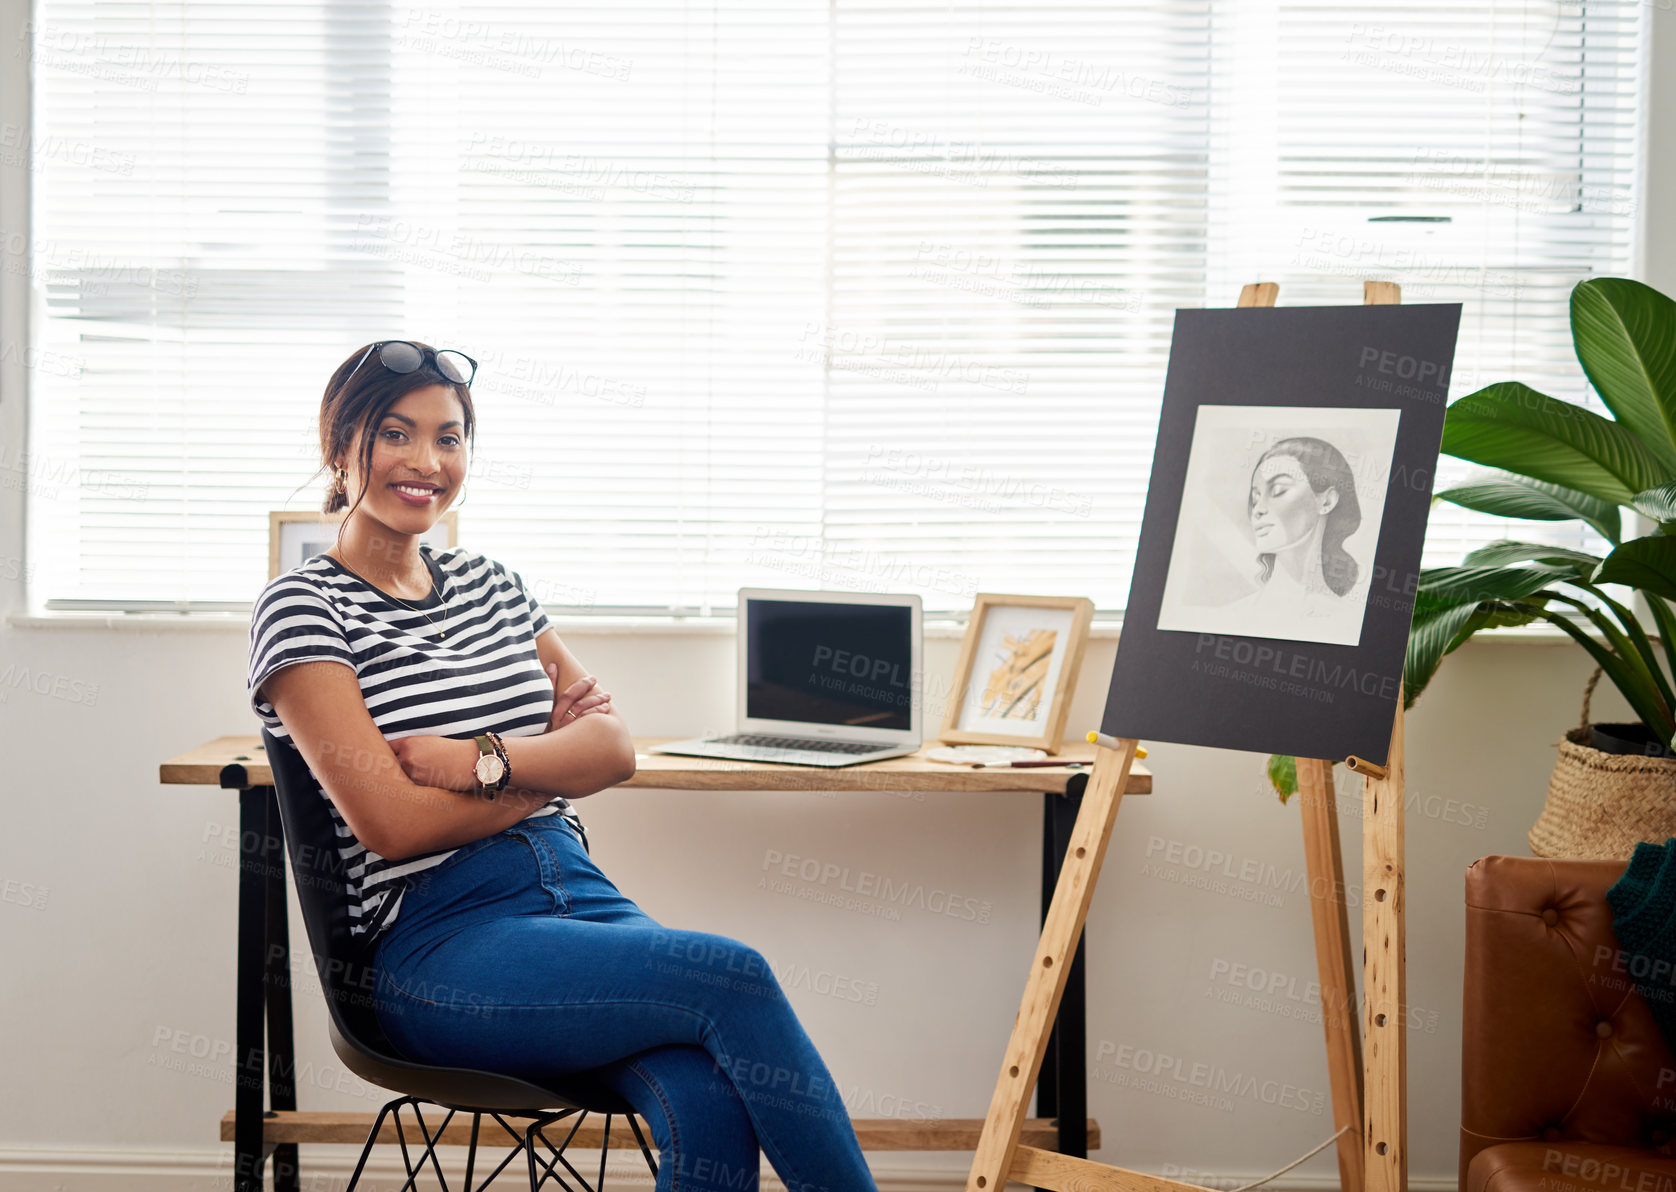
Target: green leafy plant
(1557,461)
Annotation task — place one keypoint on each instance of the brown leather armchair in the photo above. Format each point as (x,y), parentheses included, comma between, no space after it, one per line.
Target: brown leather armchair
(1566,1083)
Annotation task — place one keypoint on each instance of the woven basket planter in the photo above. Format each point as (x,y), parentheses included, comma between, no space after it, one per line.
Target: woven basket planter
(1601,805)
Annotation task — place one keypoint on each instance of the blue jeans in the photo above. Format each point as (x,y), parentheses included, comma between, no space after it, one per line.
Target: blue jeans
(517,955)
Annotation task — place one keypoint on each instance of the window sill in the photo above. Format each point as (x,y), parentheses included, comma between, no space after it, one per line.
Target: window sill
(1105,629)
(581,626)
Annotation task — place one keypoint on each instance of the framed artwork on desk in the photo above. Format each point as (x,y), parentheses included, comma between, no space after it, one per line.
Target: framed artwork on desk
(297,535)
(1017,671)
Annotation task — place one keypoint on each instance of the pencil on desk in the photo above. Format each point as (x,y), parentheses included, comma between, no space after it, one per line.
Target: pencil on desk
(1096,737)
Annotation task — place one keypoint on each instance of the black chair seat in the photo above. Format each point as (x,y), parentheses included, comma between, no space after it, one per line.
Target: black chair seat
(469,1089)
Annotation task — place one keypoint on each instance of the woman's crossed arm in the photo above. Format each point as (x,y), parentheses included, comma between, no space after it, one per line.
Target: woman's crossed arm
(585,748)
(411,796)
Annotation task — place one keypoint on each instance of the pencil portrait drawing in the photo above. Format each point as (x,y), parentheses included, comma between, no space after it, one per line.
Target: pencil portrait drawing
(1279,519)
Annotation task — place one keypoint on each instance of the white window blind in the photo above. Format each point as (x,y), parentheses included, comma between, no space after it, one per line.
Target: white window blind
(1485,153)
(859,296)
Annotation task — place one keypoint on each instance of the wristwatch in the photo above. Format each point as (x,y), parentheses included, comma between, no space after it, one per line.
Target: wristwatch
(493,770)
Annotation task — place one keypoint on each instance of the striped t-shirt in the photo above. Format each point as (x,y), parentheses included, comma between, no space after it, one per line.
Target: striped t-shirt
(484,674)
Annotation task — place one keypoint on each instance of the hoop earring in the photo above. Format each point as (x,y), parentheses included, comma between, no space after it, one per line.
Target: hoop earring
(341,484)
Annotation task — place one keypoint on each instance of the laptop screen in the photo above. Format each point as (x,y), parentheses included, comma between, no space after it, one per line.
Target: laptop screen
(838,663)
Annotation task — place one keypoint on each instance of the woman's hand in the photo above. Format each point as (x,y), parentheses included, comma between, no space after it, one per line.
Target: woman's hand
(446,762)
(575,701)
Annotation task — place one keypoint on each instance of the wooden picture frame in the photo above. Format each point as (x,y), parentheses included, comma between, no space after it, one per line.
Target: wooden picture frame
(1037,670)
(295,535)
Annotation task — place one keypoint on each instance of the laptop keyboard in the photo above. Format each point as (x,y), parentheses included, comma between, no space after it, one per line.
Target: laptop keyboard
(817,745)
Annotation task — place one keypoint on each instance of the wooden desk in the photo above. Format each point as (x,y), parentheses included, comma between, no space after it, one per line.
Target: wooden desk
(263,962)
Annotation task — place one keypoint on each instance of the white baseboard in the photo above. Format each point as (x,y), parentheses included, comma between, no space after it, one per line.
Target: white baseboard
(327,1169)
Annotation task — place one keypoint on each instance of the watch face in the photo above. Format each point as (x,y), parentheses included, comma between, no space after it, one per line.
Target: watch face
(488,769)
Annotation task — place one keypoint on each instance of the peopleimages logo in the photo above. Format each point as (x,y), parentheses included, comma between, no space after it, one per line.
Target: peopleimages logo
(1272,662)
(860,675)
(1249,879)
(1593,1174)
(886,895)
(1212,1084)
(1271,991)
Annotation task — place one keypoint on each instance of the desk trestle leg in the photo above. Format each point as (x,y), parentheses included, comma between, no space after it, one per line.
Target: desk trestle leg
(248,1027)
(282,1055)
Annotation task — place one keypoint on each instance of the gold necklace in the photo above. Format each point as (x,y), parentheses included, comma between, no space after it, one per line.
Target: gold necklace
(405,604)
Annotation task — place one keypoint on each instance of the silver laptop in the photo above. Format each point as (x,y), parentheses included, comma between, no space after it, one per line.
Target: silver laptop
(825,679)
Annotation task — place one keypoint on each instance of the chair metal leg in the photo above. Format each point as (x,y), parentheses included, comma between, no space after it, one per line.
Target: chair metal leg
(634,1125)
(541,1169)
(529,1154)
(471,1151)
(538,1129)
(412,1182)
(510,1155)
(431,1141)
(530,1136)
(366,1150)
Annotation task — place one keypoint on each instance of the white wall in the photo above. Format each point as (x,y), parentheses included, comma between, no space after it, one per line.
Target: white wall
(117,893)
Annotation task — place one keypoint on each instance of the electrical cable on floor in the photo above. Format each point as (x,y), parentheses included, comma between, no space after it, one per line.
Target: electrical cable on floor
(1289,1166)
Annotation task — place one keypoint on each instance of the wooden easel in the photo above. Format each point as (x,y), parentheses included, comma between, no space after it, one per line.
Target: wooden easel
(1369,1090)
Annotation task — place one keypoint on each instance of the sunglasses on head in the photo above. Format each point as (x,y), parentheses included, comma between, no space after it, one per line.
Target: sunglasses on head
(400,356)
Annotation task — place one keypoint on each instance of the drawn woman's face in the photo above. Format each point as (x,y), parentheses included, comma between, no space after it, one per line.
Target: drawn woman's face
(1284,510)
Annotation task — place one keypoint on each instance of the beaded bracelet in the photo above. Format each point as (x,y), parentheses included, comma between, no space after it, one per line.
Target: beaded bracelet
(506,762)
